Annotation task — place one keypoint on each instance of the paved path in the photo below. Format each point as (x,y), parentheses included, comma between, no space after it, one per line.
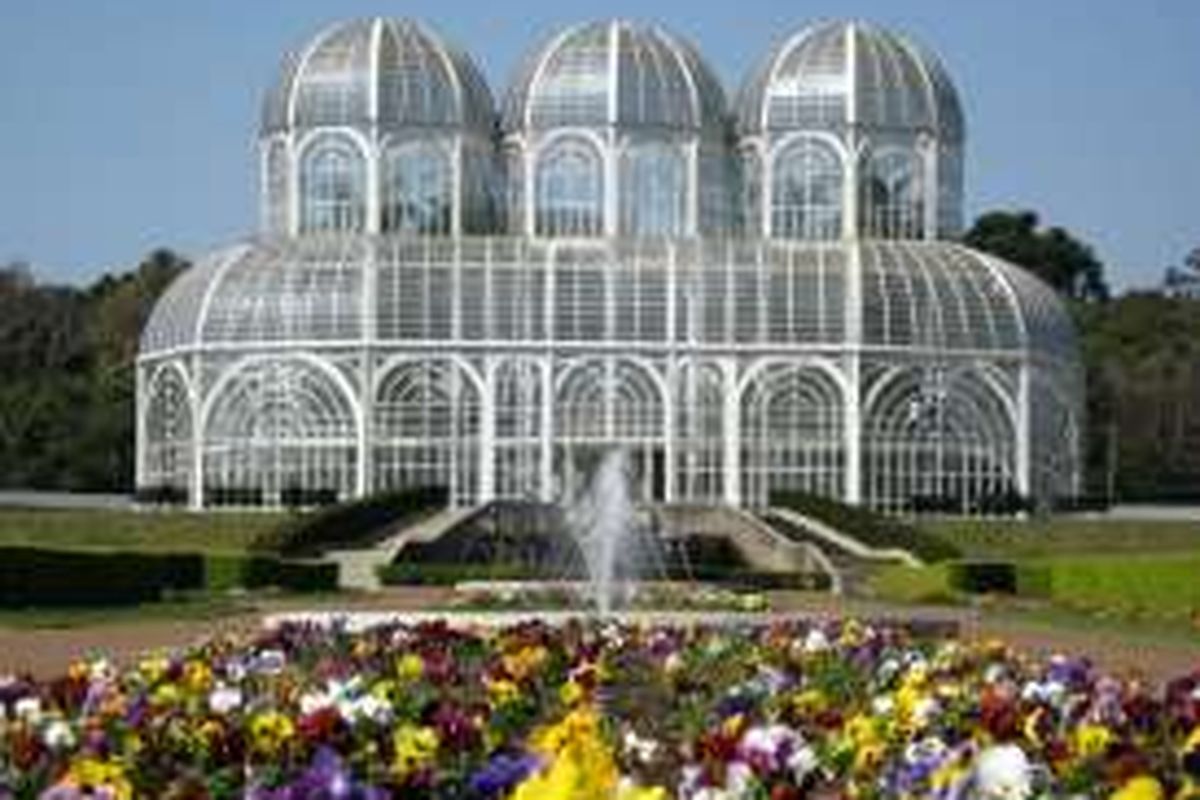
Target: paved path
(20,498)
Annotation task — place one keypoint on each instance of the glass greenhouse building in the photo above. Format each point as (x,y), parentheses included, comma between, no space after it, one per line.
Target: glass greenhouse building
(748,298)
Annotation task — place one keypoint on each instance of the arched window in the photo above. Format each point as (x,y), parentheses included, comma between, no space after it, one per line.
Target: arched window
(570,191)
(806,192)
(417,189)
(654,191)
(892,202)
(333,179)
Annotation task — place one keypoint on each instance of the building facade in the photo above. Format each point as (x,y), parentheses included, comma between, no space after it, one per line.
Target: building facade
(749,299)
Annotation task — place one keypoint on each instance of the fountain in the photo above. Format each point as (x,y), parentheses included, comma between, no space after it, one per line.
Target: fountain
(604,525)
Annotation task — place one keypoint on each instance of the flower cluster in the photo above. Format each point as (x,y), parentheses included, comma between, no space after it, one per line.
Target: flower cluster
(598,711)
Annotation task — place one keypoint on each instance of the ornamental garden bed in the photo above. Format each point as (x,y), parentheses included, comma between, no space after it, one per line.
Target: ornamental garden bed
(597,710)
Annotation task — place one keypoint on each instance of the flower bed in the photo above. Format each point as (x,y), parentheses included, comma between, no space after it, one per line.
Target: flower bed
(597,711)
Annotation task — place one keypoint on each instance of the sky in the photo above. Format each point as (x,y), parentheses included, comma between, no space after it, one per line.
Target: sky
(127,125)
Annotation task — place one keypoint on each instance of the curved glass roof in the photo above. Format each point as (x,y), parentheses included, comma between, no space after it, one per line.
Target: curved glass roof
(615,72)
(396,73)
(926,296)
(839,73)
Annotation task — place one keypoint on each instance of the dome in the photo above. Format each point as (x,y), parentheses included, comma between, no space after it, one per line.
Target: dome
(615,73)
(935,297)
(840,73)
(394,73)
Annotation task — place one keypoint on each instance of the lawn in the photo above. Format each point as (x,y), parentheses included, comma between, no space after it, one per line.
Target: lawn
(155,531)
(1065,536)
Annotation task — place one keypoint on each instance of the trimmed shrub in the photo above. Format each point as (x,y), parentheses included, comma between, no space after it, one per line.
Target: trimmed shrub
(31,576)
(164,495)
(871,528)
(984,577)
(359,523)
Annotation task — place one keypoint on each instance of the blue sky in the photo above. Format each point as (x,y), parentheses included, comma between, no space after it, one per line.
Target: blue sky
(128,125)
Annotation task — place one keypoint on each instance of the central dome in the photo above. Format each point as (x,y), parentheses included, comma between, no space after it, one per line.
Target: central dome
(618,73)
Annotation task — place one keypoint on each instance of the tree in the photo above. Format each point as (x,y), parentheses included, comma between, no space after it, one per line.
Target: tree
(1053,254)
(67,356)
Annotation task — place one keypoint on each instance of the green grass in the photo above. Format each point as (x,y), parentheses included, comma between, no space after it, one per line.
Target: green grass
(1154,587)
(153,531)
(197,608)
(1065,536)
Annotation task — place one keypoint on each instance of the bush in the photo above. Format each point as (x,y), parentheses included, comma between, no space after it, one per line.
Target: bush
(412,573)
(164,495)
(359,523)
(295,497)
(984,577)
(871,528)
(31,576)
(237,496)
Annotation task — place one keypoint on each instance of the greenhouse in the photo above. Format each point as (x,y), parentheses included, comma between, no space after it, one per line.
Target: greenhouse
(747,298)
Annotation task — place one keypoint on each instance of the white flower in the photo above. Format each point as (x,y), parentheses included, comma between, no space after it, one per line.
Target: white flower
(224,699)
(312,702)
(368,707)
(816,641)
(28,710)
(1003,773)
(883,705)
(739,779)
(643,749)
(270,662)
(58,735)
(802,762)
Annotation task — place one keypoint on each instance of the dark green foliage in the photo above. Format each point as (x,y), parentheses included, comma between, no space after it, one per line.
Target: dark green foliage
(1053,254)
(67,357)
(40,577)
(359,523)
(870,528)
(1142,353)
(412,573)
(984,577)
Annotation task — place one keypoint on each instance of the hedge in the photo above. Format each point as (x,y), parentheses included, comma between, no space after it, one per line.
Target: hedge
(871,528)
(358,523)
(31,576)
(448,574)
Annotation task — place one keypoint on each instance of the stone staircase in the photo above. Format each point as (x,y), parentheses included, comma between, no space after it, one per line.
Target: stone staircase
(854,561)
(760,544)
(358,568)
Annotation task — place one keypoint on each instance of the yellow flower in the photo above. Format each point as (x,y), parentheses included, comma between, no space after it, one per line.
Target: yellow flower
(1143,787)
(153,668)
(642,793)
(96,774)
(581,767)
(502,692)
(1091,740)
(524,662)
(414,747)
(810,701)
(167,694)
(571,693)
(410,667)
(197,676)
(270,731)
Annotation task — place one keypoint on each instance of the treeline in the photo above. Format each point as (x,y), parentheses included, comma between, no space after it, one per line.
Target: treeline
(67,375)
(67,379)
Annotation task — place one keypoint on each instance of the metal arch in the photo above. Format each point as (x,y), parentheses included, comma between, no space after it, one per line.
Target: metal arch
(302,67)
(398,362)
(357,139)
(643,365)
(246,363)
(820,363)
(548,51)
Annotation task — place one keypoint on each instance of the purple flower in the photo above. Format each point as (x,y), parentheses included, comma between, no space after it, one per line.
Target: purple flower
(503,772)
